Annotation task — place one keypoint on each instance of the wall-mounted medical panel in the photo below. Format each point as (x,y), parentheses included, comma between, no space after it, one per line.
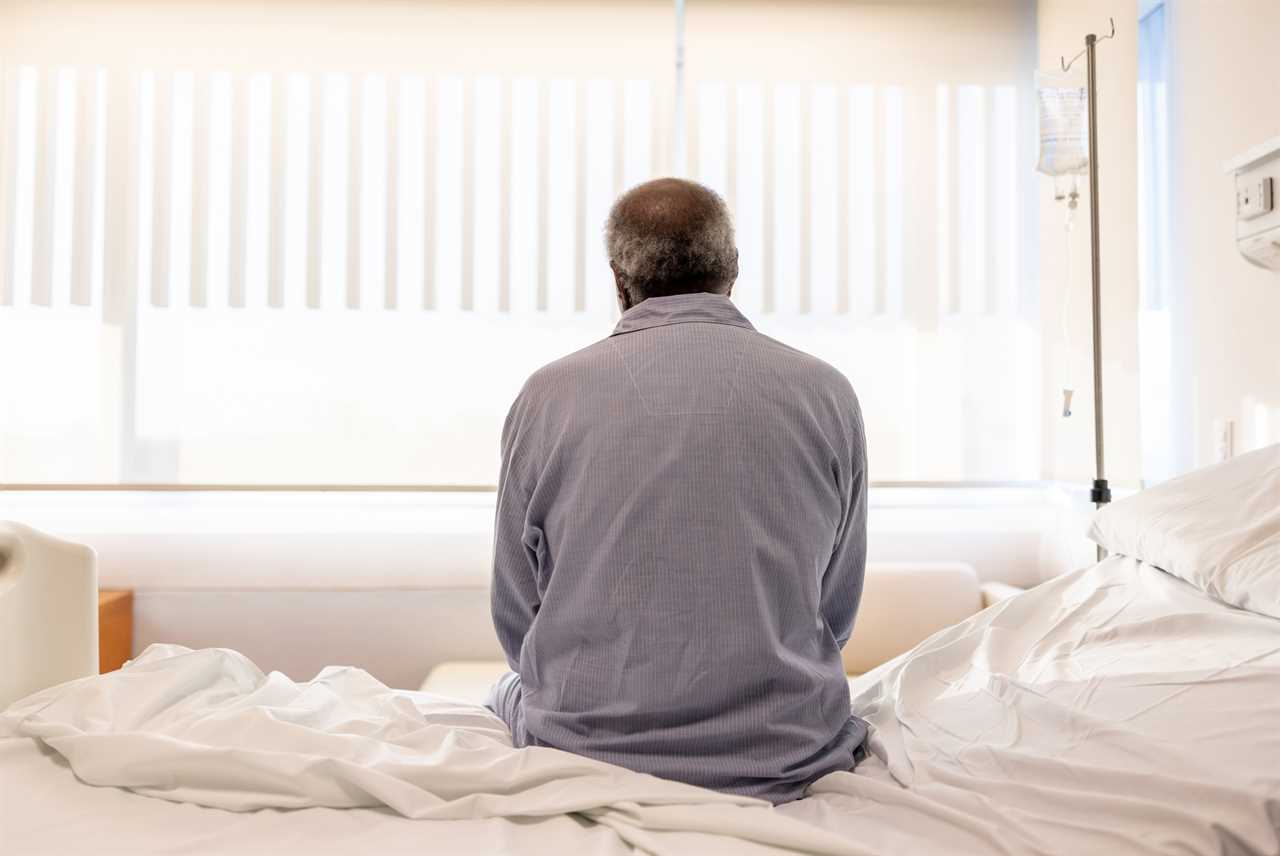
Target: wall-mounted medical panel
(1256,174)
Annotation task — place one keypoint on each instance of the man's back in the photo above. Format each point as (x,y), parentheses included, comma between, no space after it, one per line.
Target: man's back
(680,548)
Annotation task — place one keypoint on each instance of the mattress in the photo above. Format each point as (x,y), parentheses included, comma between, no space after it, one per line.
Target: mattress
(1114,709)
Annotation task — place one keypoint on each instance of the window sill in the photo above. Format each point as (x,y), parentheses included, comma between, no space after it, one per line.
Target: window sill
(341,539)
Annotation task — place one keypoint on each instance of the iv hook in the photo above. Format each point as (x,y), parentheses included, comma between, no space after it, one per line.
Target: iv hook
(1066,66)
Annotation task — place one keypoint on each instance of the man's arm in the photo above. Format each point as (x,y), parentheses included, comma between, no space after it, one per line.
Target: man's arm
(514,594)
(842,582)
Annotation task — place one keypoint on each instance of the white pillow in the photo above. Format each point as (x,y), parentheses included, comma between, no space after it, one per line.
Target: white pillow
(1217,528)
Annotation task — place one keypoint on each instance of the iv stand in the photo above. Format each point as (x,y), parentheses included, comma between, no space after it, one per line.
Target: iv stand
(1101,493)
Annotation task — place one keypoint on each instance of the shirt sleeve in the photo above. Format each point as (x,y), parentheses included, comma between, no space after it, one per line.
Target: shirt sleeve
(842,582)
(514,593)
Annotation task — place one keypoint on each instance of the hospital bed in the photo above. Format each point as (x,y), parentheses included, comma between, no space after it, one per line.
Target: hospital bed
(1125,707)
(48,611)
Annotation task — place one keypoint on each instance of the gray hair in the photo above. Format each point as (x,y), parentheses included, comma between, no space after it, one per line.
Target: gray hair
(671,236)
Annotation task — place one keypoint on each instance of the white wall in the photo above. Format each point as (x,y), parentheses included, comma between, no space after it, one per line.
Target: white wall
(553,37)
(1223,90)
(1068,446)
(901,42)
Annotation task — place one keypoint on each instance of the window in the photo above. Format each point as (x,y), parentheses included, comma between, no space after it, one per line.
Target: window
(1155,326)
(256,247)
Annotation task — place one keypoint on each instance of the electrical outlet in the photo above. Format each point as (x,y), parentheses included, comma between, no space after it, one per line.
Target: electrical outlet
(1223,439)
(1253,198)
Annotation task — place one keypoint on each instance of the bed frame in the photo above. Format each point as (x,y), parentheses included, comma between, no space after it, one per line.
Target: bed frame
(48,611)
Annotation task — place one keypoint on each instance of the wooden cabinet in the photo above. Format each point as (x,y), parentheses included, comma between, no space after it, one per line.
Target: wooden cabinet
(115,628)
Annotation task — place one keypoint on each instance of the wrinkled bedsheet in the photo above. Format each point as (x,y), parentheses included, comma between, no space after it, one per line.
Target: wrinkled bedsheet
(208,727)
(1112,710)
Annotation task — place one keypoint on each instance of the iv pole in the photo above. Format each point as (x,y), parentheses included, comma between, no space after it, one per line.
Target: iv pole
(1101,493)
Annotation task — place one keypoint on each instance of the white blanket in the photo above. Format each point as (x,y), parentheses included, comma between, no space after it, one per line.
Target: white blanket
(208,727)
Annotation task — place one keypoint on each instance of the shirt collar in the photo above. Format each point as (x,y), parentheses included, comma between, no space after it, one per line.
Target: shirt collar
(681,309)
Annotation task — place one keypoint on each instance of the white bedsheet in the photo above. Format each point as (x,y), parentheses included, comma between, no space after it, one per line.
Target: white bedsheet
(1113,710)
(209,728)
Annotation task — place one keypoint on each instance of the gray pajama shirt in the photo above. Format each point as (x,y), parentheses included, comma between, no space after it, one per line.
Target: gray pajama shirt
(680,545)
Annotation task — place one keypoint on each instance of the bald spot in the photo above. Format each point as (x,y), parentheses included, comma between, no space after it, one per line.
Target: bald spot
(668,208)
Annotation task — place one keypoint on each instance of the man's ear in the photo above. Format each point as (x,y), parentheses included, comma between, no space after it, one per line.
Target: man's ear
(619,282)
(733,276)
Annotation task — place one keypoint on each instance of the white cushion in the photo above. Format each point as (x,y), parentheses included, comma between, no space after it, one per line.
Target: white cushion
(467,680)
(397,636)
(993,593)
(904,603)
(1218,528)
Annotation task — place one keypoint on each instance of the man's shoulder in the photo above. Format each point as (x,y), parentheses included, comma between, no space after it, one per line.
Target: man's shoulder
(805,366)
(799,368)
(570,370)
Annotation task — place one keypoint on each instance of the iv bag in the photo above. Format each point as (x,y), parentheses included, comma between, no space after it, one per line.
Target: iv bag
(1063,104)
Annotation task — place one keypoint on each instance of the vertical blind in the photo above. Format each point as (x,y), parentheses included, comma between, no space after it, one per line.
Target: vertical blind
(291,270)
(233,190)
(408,192)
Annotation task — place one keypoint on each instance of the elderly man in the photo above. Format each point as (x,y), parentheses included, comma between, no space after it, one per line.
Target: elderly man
(681,528)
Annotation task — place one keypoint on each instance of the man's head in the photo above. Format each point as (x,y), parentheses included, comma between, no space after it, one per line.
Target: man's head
(670,236)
